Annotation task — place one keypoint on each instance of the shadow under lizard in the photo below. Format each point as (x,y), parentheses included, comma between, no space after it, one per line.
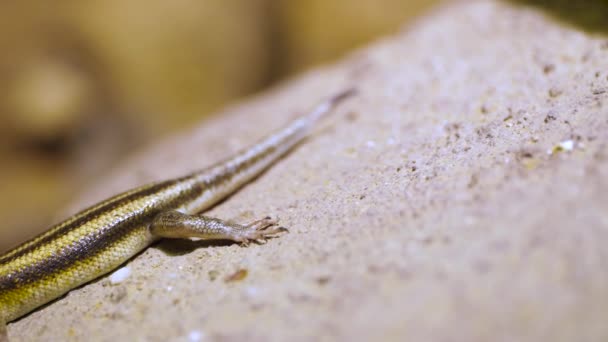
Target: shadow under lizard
(100,238)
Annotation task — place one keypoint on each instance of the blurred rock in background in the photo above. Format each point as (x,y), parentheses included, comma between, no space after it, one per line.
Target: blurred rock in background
(86,82)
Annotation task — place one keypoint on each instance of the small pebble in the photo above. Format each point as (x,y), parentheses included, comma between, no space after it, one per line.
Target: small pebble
(195,335)
(567,145)
(120,275)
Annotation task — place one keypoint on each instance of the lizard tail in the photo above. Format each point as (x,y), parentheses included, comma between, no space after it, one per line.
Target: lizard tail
(323,108)
(250,162)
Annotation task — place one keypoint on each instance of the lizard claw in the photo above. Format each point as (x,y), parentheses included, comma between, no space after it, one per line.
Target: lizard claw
(261,230)
(263,223)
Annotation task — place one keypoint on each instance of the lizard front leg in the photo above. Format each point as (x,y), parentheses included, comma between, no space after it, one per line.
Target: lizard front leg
(176,225)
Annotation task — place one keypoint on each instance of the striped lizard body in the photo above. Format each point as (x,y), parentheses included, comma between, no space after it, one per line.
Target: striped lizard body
(102,237)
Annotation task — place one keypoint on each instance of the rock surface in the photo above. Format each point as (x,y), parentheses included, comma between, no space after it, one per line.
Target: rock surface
(461,196)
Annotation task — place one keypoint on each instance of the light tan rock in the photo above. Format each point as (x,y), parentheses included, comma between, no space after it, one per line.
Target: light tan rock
(455,199)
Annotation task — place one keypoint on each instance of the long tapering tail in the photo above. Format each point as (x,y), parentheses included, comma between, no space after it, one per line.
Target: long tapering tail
(250,162)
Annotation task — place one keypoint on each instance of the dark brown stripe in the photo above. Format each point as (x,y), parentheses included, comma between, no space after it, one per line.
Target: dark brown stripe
(89,246)
(225,176)
(81,219)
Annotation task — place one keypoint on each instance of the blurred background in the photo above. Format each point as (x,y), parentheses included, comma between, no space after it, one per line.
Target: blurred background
(85,82)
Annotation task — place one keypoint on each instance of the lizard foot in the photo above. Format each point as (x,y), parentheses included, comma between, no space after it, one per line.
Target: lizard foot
(260,230)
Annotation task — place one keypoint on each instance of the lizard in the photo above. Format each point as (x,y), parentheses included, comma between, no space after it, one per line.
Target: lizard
(104,236)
